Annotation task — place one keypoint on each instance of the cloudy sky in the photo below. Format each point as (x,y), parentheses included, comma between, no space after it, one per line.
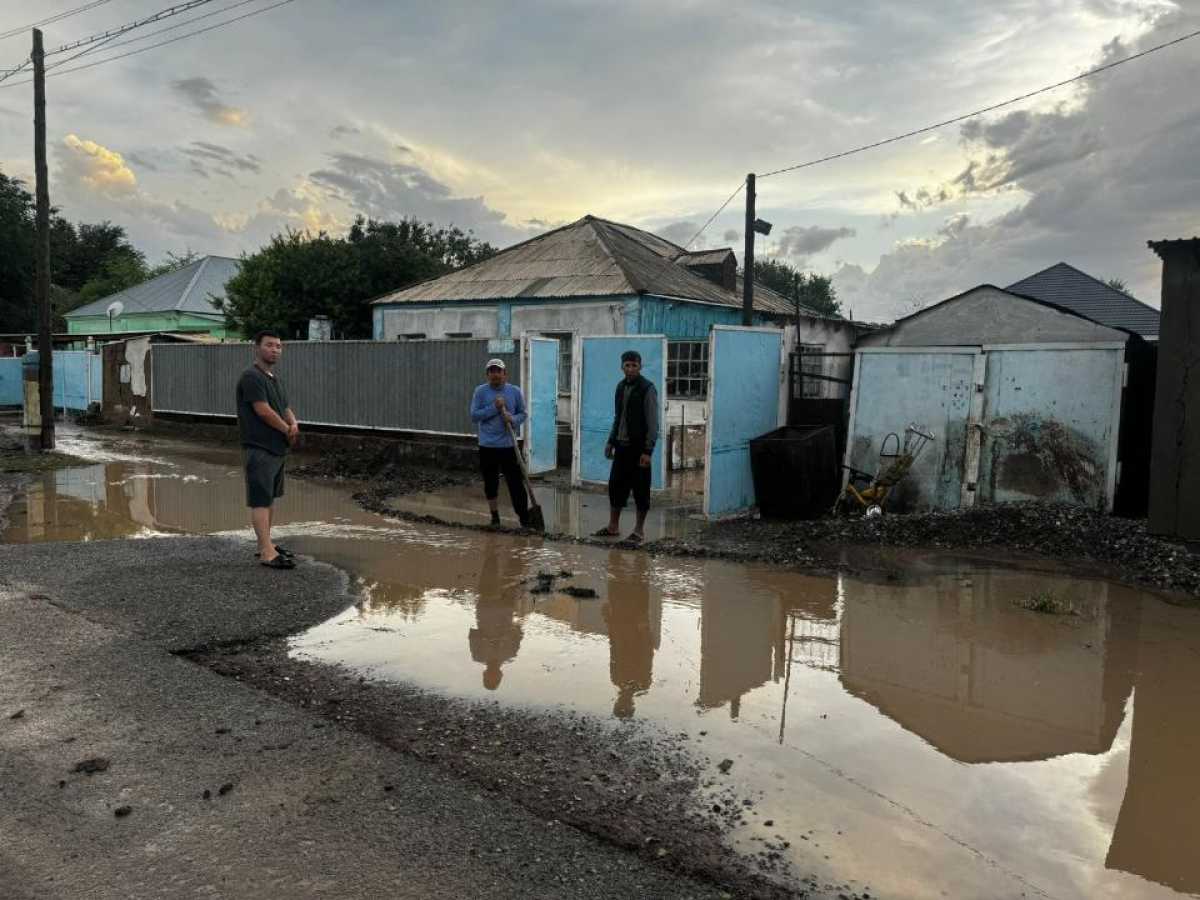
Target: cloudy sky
(510,118)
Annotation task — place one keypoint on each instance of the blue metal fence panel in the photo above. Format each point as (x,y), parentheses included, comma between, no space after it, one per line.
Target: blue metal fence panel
(542,429)
(932,388)
(599,372)
(744,383)
(11,391)
(77,379)
(1050,420)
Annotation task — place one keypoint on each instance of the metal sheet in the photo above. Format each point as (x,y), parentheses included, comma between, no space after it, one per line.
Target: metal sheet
(11,391)
(541,430)
(743,403)
(933,388)
(597,372)
(1050,425)
(422,386)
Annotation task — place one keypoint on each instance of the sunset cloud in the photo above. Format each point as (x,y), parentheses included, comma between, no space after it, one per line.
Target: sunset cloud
(95,166)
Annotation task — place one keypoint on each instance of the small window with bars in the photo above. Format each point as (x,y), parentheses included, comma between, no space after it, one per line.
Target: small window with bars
(812,363)
(687,370)
(564,339)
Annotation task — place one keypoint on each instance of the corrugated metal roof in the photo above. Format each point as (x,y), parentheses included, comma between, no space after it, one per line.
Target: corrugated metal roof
(187,289)
(592,257)
(1066,286)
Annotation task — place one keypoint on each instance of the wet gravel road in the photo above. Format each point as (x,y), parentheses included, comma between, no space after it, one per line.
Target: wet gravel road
(238,792)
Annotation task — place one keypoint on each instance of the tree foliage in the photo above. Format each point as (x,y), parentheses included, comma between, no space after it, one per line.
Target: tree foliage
(812,290)
(87,261)
(299,275)
(1118,284)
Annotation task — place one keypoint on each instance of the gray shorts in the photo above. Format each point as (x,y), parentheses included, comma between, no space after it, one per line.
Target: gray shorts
(264,477)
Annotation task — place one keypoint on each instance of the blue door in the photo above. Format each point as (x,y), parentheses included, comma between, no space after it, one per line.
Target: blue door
(743,402)
(541,386)
(599,372)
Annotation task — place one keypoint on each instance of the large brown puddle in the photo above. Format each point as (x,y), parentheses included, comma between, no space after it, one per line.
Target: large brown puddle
(923,737)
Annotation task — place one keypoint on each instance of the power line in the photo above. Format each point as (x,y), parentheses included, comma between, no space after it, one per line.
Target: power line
(107,36)
(173,40)
(720,209)
(986,109)
(50,20)
(150,34)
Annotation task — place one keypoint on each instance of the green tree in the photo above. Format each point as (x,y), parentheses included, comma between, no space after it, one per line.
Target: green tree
(812,290)
(16,256)
(1118,284)
(299,275)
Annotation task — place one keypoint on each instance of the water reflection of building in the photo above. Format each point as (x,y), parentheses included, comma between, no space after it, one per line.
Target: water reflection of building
(1157,835)
(954,661)
(744,628)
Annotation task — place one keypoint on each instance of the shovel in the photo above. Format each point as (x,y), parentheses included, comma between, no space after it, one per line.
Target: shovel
(537,521)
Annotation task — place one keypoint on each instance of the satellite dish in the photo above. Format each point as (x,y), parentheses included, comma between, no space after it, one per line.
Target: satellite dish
(114,309)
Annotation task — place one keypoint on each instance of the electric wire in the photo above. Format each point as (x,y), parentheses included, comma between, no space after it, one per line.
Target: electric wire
(96,40)
(987,109)
(50,20)
(173,40)
(149,34)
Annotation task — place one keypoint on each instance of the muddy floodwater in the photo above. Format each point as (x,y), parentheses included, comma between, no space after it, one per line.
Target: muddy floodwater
(918,733)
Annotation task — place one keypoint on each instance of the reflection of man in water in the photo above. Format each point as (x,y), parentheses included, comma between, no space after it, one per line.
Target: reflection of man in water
(631,640)
(496,638)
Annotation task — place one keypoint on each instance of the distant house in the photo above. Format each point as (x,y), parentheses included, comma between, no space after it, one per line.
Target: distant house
(182,300)
(1069,288)
(597,277)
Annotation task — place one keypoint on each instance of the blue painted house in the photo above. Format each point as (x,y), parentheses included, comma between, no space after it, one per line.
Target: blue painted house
(598,277)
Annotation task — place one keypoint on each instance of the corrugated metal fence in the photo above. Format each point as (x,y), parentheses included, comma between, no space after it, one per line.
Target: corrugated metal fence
(416,386)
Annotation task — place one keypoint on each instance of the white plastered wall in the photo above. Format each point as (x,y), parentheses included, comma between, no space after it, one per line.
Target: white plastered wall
(479,322)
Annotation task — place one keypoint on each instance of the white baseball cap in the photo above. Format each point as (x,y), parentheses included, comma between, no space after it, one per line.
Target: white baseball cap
(496,364)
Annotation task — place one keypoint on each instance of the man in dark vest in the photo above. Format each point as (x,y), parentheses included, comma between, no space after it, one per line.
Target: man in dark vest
(631,446)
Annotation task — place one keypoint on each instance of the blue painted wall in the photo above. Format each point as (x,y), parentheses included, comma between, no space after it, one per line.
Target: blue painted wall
(11,391)
(679,320)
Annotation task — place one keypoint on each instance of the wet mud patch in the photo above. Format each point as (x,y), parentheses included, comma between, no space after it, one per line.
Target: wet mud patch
(1122,548)
(16,460)
(386,474)
(656,794)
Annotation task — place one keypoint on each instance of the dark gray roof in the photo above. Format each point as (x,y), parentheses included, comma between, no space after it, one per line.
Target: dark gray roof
(187,289)
(592,257)
(1066,286)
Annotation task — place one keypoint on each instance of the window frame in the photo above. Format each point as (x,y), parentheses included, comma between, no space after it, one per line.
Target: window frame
(691,384)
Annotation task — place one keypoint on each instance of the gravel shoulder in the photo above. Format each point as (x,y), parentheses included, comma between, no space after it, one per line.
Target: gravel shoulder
(330,786)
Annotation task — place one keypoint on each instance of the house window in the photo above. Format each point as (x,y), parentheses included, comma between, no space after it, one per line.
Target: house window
(564,339)
(412,336)
(687,370)
(458,334)
(811,388)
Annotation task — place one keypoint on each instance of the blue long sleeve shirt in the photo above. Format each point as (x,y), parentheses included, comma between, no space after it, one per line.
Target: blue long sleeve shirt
(492,430)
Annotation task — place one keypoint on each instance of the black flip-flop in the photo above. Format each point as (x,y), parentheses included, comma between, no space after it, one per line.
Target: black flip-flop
(604,532)
(282,551)
(279,562)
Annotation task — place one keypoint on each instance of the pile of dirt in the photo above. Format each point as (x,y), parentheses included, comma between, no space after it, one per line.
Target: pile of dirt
(659,795)
(1123,547)
(385,474)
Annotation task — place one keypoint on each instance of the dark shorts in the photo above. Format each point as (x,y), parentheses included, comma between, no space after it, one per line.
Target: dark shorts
(264,477)
(628,477)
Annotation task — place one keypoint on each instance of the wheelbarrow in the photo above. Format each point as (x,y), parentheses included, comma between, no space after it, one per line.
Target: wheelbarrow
(867,494)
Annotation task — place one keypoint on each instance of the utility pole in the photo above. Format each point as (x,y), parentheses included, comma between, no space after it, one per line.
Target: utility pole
(748,256)
(41,253)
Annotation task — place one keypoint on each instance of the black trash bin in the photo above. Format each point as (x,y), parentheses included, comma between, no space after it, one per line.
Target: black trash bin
(795,471)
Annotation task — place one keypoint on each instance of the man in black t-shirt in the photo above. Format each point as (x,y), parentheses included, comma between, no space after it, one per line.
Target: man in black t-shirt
(268,428)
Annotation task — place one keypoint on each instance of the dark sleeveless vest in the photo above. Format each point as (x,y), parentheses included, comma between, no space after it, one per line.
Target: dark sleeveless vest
(636,424)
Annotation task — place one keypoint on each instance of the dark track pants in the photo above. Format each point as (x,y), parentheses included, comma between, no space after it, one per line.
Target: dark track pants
(496,460)
(628,477)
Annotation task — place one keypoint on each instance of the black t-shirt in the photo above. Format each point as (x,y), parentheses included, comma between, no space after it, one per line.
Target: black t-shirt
(253,386)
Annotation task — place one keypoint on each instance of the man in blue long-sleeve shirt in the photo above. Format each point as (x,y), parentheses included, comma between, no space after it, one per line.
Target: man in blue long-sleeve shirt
(495,405)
